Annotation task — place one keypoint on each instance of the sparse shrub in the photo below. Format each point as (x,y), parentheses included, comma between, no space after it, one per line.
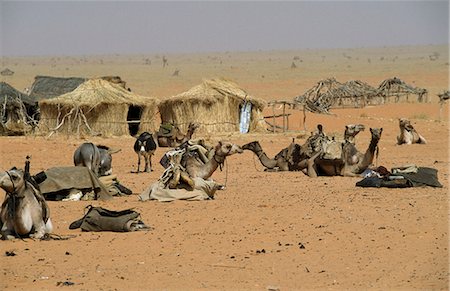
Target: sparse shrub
(364,115)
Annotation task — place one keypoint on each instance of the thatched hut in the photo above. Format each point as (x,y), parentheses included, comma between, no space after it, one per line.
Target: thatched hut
(399,90)
(215,105)
(98,107)
(16,111)
(45,87)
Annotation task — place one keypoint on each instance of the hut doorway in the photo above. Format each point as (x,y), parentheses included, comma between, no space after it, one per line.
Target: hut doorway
(134,119)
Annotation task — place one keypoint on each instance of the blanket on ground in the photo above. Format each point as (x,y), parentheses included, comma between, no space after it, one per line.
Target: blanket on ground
(421,176)
(60,180)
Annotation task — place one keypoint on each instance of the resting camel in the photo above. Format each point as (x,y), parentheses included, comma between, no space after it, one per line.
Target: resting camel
(24,211)
(195,168)
(295,157)
(285,160)
(408,135)
(352,162)
(177,137)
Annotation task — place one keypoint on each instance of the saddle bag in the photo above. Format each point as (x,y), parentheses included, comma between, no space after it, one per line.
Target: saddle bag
(101,219)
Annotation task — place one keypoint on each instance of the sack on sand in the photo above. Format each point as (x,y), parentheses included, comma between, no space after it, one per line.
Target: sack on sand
(101,219)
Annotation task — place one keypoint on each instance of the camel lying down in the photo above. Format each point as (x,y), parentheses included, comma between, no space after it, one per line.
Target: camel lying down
(24,212)
(408,135)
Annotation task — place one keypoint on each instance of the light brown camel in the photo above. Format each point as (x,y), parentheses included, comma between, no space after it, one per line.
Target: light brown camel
(352,162)
(177,137)
(408,135)
(24,211)
(196,168)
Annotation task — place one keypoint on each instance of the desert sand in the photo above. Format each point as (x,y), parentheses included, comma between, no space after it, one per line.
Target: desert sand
(266,230)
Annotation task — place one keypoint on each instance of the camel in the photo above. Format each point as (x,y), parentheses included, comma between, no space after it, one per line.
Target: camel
(294,157)
(177,138)
(24,211)
(352,163)
(285,160)
(196,168)
(408,135)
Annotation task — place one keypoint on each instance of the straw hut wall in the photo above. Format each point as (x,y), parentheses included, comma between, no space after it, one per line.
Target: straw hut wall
(16,110)
(215,105)
(98,107)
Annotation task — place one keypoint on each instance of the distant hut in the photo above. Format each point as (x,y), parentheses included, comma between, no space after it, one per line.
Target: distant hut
(317,98)
(98,107)
(6,72)
(354,93)
(399,90)
(45,87)
(215,105)
(16,111)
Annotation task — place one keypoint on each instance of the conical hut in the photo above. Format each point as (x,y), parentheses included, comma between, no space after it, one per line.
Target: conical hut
(98,107)
(215,105)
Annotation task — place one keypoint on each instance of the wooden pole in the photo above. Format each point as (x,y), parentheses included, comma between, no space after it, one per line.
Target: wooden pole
(284,117)
(273,113)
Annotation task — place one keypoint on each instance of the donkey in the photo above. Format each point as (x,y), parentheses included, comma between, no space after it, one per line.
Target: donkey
(145,145)
(97,158)
(24,212)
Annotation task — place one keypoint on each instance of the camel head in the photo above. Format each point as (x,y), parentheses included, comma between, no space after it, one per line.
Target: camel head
(225,149)
(253,146)
(193,126)
(11,180)
(376,133)
(405,124)
(352,130)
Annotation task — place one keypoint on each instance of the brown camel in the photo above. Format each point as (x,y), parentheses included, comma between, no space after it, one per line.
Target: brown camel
(295,157)
(196,168)
(408,135)
(177,137)
(286,160)
(352,162)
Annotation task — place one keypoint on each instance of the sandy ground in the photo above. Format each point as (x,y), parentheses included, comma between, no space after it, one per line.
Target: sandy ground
(250,236)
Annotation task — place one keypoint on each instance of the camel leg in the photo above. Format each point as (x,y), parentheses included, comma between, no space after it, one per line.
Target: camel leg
(310,165)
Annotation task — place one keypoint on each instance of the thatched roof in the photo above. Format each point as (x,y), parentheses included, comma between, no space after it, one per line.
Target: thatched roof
(94,92)
(45,87)
(212,89)
(11,93)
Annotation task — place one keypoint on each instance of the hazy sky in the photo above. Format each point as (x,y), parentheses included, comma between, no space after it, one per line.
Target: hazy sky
(103,27)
